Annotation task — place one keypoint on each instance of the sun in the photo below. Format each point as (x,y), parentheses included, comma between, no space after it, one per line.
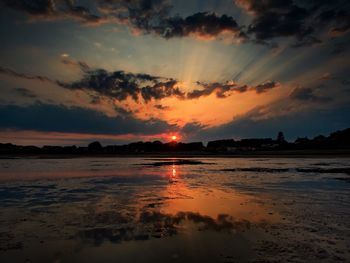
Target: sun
(174,137)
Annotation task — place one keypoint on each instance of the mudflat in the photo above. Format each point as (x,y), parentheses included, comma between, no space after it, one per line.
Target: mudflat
(202,209)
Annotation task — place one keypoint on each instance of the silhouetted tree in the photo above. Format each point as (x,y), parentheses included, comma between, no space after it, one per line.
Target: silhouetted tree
(337,140)
(95,147)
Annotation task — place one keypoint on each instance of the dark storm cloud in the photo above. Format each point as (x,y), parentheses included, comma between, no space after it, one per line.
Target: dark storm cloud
(34,7)
(117,85)
(161,90)
(307,94)
(137,13)
(153,17)
(53,10)
(223,90)
(59,118)
(303,20)
(285,23)
(120,85)
(144,16)
(200,24)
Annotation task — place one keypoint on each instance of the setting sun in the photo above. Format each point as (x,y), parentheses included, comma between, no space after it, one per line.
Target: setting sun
(174,137)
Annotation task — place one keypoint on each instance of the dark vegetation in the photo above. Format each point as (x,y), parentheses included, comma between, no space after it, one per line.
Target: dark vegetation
(339,140)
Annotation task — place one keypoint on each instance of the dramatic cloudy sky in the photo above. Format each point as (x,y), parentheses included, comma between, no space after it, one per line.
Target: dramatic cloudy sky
(126,70)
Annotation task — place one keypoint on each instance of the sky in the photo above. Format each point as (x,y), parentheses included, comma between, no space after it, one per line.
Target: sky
(119,71)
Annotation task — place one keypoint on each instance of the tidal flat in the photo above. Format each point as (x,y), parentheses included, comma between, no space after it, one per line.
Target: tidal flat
(175,210)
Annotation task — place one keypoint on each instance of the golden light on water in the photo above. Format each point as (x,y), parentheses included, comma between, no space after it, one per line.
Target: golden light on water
(210,202)
(174,171)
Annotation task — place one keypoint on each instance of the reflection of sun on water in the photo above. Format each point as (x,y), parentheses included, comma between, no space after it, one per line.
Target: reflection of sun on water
(173,175)
(210,201)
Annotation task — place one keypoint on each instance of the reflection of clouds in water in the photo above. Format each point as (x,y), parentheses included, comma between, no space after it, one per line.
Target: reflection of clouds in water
(116,227)
(149,222)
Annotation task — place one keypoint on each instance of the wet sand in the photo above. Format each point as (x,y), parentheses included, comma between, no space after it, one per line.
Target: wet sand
(175,210)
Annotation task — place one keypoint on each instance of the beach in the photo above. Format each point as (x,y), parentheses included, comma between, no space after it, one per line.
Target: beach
(146,209)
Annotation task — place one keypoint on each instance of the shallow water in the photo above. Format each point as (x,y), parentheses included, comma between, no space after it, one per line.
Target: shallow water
(175,210)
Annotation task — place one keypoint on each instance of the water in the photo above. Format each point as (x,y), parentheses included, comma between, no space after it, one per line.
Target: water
(172,210)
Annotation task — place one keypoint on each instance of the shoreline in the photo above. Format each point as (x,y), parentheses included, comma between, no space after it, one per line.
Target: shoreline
(257,154)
